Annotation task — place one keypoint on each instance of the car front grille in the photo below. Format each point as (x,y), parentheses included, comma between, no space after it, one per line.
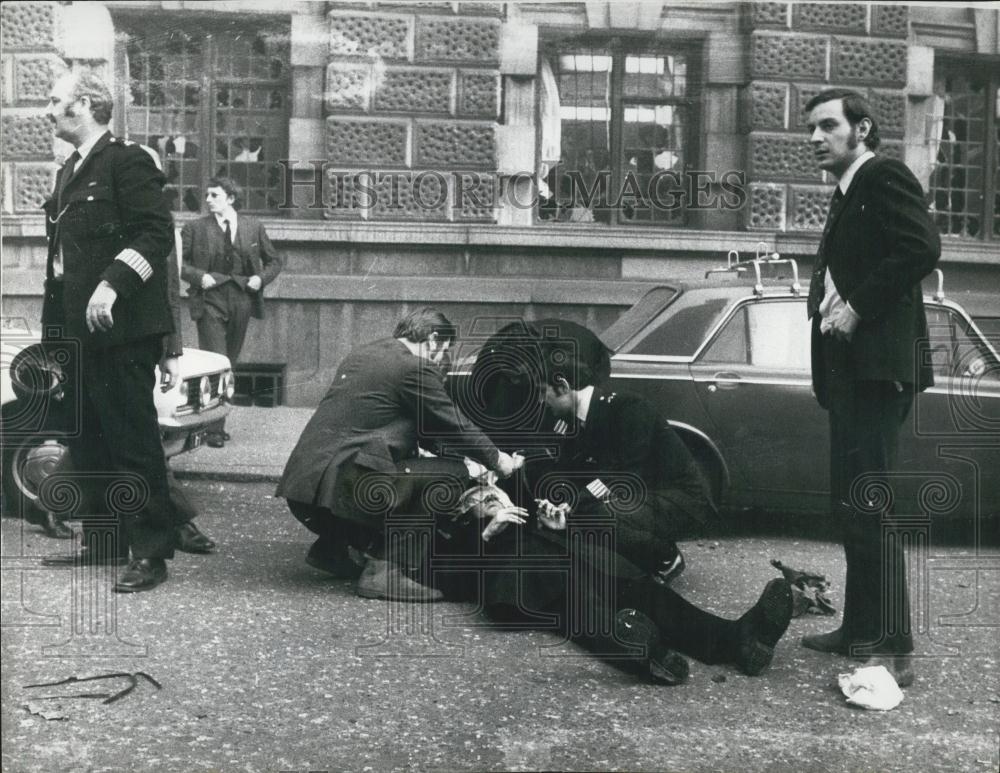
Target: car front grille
(193,404)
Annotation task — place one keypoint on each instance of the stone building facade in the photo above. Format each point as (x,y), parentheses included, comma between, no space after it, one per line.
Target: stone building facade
(501,159)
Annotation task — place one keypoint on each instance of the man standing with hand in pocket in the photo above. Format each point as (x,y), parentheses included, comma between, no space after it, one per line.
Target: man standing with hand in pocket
(228,259)
(868,322)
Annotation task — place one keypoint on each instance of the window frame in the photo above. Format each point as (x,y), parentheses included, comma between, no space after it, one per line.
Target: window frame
(989,69)
(620,46)
(210,28)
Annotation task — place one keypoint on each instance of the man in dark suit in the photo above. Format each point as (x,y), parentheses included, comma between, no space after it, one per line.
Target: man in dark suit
(228,260)
(357,460)
(627,487)
(106,291)
(866,305)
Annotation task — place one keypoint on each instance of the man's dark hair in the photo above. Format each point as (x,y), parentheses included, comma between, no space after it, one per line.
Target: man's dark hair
(418,325)
(87,83)
(561,359)
(228,184)
(574,352)
(856,107)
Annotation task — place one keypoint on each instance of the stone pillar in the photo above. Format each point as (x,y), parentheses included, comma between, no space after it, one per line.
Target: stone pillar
(796,51)
(31,44)
(413,89)
(310,47)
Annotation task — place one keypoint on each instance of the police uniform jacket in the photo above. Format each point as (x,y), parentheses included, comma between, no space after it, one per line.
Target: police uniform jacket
(112,224)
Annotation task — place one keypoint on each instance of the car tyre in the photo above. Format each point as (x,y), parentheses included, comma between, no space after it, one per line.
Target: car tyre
(23,472)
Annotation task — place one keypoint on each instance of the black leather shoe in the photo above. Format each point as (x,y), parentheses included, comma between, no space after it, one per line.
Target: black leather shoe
(142,574)
(762,627)
(334,559)
(55,528)
(84,557)
(833,642)
(662,665)
(215,439)
(190,540)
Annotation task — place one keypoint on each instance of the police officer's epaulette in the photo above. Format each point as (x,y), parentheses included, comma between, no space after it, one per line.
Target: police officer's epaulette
(608,397)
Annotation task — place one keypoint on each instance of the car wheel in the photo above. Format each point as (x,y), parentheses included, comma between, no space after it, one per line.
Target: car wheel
(25,467)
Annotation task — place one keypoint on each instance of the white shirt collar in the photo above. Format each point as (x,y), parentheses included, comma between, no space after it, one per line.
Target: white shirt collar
(845,179)
(583,399)
(86,147)
(227,214)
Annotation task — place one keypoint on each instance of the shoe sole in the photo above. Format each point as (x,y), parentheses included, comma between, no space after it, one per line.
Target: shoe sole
(381,596)
(775,605)
(776,602)
(138,588)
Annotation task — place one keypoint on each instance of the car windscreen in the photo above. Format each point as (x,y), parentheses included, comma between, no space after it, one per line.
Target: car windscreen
(678,330)
(635,319)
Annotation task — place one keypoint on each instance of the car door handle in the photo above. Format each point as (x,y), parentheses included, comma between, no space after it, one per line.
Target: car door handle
(724,380)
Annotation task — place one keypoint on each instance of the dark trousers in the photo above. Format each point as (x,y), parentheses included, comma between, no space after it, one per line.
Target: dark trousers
(586,598)
(865,419)
(365,499)
(223,326)
(117,454)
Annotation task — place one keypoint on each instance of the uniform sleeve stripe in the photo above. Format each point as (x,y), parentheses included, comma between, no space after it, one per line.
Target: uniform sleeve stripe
(561,427)
(137,263)
(598,489)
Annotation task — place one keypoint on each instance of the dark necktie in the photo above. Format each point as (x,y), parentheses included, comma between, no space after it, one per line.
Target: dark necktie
(817,288)
(56,269)
(229,251)
(67,172)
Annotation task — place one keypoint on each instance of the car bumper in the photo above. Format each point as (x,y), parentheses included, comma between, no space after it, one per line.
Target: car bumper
(186,433)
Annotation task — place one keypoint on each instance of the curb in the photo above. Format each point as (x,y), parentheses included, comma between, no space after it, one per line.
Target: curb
(227,476)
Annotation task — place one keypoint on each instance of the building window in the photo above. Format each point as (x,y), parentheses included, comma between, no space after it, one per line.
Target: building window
(213,100)
(964,134)
(618,132)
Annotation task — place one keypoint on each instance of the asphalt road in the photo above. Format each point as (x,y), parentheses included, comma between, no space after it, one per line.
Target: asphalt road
(267,665)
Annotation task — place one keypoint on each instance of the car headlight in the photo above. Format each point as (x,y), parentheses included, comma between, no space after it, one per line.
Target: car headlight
(227,385)
(183,389)
(205,391)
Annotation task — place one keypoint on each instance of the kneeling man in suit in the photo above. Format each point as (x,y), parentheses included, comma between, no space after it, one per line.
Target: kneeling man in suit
(357,460)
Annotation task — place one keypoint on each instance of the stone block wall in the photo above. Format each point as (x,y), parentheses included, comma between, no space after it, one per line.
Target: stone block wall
(31,40)
(413,88)
(796,51)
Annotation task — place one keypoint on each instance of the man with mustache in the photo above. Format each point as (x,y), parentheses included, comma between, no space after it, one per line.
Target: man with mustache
(868,318)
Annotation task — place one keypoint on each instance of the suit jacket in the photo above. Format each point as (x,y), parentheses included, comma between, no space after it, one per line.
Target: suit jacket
(115,226)
(878,247)
(203,241)
(382,401)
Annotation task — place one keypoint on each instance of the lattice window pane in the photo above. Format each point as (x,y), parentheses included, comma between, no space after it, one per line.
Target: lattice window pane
(624,128)
(965,176)
(584,78)
(212,101)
